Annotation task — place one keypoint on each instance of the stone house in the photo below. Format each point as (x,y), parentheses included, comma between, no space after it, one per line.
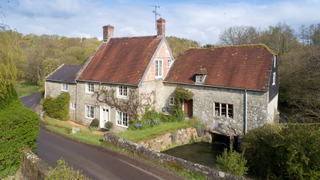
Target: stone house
(122,64)
(63,79)
(235,87)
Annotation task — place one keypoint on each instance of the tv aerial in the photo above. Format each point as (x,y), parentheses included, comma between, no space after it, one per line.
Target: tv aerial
(155,14)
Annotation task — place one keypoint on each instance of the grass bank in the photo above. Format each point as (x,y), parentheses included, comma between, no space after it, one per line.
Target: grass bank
(26,88)
(139,135)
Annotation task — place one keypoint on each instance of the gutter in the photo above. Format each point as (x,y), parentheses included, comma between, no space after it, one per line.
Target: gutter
(107,83)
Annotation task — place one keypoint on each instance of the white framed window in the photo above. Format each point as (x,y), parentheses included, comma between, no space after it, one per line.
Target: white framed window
(171,101)
(73,105)
(223,110)
(275,61)
(90,88)
(123,91)
(89,111)
(158,68)
(274,78)
(64,86)
(122,119)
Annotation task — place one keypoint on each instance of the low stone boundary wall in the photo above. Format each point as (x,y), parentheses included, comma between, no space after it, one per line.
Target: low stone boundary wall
(34,168)
(167,159)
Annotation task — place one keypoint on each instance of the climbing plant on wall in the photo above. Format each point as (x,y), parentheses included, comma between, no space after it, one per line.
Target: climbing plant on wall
(180,94)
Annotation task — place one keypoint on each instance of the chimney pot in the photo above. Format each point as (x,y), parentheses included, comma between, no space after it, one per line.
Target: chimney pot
(161,27)
(108,32)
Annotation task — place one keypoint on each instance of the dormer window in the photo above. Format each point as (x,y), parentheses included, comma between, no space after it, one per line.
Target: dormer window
(200,75)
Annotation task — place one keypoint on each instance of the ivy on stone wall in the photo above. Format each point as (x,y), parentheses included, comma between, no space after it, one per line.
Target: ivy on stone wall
(180,94)
(58,107)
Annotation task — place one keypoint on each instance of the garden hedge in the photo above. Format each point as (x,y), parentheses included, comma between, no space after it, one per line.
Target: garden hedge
(19,128)
(58,107)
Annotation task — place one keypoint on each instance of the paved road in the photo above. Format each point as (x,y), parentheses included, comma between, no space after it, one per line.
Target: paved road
(31,101)
(95,164)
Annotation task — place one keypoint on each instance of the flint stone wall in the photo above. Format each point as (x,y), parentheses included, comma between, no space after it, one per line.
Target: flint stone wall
(167,159)
(34,168)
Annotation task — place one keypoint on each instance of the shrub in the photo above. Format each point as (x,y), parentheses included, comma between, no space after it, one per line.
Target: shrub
(63,171)
(284,153)
(58,107)
(19,128)
(232,162)
(108,125)
(91,128)
(95,122)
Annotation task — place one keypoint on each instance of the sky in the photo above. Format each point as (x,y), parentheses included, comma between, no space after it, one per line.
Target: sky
(199,20)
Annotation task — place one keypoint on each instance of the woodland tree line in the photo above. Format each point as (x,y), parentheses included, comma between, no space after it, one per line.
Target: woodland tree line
(299,62)
(34,57)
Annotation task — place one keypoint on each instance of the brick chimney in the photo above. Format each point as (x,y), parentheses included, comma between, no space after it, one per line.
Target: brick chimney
(161,27)
(107,32)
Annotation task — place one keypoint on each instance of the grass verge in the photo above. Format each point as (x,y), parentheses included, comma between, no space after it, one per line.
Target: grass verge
(58,123)
(26,88)
(139,135)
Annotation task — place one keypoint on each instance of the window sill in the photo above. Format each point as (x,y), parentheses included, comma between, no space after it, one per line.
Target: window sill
(89,118)
(122,97)
(65,90)
(122,126)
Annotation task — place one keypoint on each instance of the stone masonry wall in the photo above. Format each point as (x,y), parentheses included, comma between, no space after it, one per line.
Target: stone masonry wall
(167,159)
(33,168)
(203,107)
(54,89)
(84,98)
(183,136)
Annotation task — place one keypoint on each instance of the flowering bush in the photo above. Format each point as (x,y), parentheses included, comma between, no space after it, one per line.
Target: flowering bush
(173,136)
(200,129)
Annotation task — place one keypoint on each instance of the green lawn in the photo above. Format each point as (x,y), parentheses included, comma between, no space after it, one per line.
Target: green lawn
(139,135)
(26,88)
(58,123)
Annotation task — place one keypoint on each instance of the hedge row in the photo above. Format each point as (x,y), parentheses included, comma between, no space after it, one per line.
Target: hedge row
(57,107)
(276,152)
(19,128)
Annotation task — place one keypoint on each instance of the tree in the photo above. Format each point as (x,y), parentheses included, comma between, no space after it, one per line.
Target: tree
(10,55)
(279,38)
(238,35)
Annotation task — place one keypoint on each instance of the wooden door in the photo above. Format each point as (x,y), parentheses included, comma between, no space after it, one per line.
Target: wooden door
(188,108)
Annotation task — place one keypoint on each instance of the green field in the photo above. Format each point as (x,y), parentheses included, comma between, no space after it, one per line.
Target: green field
(26,88)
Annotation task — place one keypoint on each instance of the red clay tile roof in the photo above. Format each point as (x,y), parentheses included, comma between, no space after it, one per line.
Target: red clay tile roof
(66,73)
(244,66)
(202,71)
(121,60)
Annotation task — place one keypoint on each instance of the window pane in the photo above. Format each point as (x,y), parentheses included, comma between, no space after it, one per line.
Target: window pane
(230,110)
(217,109)
(125,119)
(160,68)
(156,68)
(118,117)
(223,110)
(125,91)
(91,111)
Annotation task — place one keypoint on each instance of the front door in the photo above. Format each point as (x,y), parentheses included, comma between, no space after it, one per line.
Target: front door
(104,116)
(188,108)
